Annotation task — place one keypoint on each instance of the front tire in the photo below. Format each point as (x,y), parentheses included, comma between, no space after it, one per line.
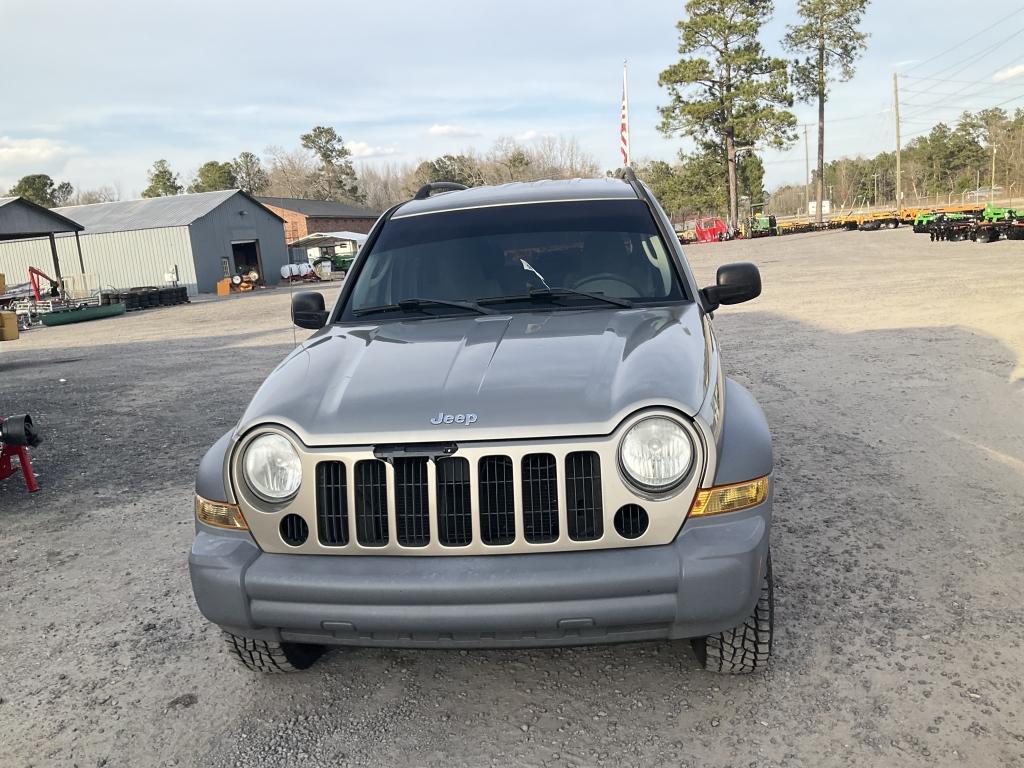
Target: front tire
(271,657)
(748,647)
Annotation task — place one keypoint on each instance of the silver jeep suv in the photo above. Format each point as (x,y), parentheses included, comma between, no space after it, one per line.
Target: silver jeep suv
(511,430)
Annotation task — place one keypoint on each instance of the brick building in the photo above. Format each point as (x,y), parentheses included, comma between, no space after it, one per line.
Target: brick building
(304,217)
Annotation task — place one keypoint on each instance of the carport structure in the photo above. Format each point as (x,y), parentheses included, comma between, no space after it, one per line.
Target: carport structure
(21,219)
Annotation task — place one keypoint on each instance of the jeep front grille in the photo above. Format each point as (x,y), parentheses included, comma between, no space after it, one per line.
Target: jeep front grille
(496,518)
(487,498)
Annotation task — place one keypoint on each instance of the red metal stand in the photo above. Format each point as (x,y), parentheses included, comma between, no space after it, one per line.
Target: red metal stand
(7,468)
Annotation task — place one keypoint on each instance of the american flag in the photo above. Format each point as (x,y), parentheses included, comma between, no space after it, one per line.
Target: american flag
(624,124)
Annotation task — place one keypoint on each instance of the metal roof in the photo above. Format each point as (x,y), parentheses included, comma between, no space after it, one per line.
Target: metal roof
(518,193)
(151,213)
(319,208)
(21,218)
(314,237)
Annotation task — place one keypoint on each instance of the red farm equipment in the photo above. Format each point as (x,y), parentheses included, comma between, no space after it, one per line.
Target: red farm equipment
(711,230)
(17,435)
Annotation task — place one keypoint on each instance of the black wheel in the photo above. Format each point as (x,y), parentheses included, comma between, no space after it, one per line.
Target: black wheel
(270,656)
(748,647)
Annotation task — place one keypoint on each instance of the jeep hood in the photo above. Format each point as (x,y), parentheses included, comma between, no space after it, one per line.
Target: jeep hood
(522,375)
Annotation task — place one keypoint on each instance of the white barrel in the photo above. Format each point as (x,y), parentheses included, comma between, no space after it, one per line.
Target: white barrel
(286,271)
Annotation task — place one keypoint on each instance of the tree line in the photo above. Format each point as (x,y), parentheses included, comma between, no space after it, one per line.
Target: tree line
(941,165)
(321,168)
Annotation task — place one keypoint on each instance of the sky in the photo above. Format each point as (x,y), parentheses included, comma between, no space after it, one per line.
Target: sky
(94,91)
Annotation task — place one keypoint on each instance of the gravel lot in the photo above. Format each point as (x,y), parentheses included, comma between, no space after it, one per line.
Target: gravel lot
(892,372)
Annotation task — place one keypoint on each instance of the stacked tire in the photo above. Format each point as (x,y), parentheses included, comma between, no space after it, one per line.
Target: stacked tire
(148,296)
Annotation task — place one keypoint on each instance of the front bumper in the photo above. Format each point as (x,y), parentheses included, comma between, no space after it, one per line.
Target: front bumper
(706,581)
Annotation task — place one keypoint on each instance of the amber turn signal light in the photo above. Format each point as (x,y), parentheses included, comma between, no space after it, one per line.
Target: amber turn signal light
(220,514)
(729,498)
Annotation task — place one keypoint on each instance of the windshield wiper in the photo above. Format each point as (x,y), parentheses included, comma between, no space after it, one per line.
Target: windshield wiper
(419,305)
(557,293)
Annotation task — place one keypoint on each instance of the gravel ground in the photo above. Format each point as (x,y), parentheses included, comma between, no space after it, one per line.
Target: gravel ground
(892,373)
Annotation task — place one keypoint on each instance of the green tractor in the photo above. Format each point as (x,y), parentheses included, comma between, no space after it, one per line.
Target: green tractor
(763,225)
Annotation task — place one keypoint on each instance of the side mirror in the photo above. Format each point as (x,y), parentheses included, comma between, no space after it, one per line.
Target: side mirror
(308,310)
(734,284)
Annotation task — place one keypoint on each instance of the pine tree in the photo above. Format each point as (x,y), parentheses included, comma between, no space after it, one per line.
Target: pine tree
(726,92)
(831,41)
(336,177)
(163,182)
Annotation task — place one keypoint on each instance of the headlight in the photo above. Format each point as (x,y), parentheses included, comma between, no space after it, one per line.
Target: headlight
(656,453)
(272,468)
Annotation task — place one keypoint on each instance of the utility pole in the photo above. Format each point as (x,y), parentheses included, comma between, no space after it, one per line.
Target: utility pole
(896,109)
(807,172)
(874,200)
(992,186)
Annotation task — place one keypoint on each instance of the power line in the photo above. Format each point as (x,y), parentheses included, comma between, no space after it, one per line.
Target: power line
(846,119)
(990,87)
(975,57)
(946,80)
(958,45)
(959,90)
(993,106)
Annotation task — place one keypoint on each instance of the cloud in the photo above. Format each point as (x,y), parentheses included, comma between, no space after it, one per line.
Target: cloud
(360,149)
(1009,74)
(905,63)
(529,135)
(19,157)
(451,130)
(19,152)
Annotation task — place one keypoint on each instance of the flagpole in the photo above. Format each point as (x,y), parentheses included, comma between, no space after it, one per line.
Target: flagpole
(624,125)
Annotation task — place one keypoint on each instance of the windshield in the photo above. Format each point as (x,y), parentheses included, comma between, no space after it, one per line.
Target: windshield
(553,255)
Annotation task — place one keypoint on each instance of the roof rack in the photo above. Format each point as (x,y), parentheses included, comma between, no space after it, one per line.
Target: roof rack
(437,186)
(629,176)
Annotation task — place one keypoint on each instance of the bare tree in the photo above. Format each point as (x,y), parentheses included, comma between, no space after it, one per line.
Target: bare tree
(292,173)
(507,154)
(508,160)
(385,185)
(560,157)
(104,194)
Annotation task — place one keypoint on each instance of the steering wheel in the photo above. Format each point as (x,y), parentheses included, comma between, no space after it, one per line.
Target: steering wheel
(599,284)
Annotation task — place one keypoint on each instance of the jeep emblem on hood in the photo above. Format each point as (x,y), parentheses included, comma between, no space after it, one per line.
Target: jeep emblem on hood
(454,418)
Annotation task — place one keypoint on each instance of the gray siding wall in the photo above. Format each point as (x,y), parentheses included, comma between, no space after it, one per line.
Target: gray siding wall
(213,234)
(118,259)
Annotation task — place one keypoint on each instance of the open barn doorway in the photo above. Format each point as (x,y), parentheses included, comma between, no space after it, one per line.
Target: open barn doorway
(246,257)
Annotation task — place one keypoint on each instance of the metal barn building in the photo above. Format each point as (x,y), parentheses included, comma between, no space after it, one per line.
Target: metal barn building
(202,238)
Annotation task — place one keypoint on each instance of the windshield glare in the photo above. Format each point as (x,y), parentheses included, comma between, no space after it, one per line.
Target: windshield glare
(607,247)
